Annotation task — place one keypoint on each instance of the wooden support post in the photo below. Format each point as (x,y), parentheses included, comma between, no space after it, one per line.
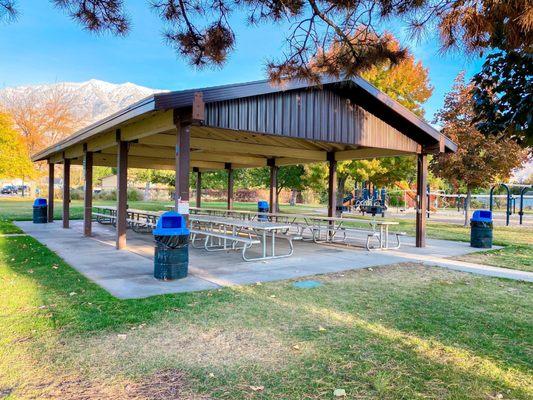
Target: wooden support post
(332,185)
(122,192)
(51,192)
(198,187)
(421,182)
(230,185)
(332,190)
(273,185)
(183,162)
(88,198)
(66,193)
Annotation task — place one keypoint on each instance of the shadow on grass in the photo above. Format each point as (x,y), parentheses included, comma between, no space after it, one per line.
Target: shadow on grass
(434,334)
(77,304)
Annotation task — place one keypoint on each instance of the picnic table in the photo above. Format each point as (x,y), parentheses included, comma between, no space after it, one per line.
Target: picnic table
(325,230)
(230,231)
(322,229)
(137,220)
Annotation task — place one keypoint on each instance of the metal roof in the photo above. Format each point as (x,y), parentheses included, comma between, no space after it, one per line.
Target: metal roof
(364,94)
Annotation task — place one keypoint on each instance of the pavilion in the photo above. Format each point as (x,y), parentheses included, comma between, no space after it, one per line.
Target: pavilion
(246,125)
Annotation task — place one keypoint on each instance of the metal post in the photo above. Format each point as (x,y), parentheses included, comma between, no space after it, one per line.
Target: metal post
(51,192)
(88,199)
(421,182)
(521,211)
(230,186)
(122,192)
(66,193)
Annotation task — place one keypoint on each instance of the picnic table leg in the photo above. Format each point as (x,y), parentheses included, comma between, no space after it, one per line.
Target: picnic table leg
(273,248)
(386,236)
(264,244)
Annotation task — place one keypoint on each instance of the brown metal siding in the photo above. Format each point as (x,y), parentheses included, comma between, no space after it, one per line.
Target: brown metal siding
(307,114)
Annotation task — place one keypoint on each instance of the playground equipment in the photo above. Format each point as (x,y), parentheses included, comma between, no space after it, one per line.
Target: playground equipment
(510,200)
(366,199)
(522,193)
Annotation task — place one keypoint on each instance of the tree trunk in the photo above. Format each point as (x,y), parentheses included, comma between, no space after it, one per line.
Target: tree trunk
(294,193)
(146,196)
(467,206)
(278,191)
(341,183)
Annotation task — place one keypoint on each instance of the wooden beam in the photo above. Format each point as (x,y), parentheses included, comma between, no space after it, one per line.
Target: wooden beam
(143,150)
(122,192)
(218,146)
(56,158)
(102,142)
(421,182)
(226,146)
(367,153)
(198,186)
(183,162)
(51,192)
(230,186)
(74,151)
(88,198)
(156,123)
(66,193)
(110,160)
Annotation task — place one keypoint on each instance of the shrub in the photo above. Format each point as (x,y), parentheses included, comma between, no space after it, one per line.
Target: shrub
(76,194)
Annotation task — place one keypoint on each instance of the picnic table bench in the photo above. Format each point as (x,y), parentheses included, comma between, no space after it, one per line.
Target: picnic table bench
(138,220)
(230,232)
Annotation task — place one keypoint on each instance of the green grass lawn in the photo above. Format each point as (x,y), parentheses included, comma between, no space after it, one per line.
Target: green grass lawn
(403,332)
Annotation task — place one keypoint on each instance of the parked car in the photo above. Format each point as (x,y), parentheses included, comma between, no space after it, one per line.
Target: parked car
(9,189)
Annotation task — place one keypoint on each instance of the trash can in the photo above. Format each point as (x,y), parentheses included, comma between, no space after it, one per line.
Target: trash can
(481,229)
(40,211)
(171,259)
(262,207)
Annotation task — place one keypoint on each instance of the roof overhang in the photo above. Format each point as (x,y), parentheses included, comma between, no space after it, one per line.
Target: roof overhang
(365,95)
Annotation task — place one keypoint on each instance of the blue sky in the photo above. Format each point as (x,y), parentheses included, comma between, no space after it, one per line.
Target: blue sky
(45,46)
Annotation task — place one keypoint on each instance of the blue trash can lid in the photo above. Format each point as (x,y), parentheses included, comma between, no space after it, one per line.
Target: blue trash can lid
(262,203)
(39,202)
(482,216)
(170,224)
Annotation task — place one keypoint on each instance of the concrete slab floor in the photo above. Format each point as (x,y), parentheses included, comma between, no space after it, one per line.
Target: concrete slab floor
(129,273)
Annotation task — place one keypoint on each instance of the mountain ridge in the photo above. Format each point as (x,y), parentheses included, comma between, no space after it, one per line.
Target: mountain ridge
(93,99)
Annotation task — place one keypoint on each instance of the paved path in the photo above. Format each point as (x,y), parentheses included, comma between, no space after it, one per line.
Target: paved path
(473,268)
(128,273)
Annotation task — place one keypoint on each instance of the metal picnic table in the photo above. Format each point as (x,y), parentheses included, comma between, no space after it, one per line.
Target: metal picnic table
(264,231)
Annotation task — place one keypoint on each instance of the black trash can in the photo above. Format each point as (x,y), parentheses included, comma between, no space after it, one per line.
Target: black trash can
(40,211)
(171,258)
(262,207)
(481,226)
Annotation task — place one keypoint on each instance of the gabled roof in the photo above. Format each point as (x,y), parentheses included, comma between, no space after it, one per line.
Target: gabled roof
(363,93)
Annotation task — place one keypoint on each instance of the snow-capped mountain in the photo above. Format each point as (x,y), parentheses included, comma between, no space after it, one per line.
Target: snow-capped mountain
(93,100)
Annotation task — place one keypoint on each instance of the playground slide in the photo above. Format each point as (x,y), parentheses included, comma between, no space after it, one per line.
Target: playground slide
(411,193)
(348,200)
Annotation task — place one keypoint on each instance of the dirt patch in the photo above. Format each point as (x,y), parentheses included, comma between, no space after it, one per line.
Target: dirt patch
(161,385)
(170,344)
(407,272)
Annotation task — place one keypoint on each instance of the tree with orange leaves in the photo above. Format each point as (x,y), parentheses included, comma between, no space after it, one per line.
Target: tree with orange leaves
(42,120)
(480,161)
